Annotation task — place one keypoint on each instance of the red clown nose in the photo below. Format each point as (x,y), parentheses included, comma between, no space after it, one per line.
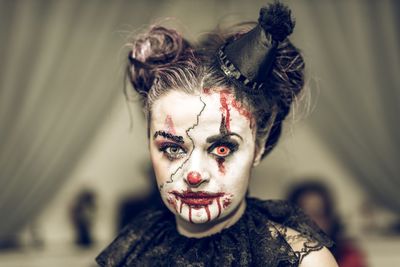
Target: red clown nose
(194,178)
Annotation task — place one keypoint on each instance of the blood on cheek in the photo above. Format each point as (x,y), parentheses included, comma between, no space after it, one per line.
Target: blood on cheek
(221,165)
(221,152)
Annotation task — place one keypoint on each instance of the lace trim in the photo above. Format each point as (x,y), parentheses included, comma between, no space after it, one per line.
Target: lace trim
(293,239)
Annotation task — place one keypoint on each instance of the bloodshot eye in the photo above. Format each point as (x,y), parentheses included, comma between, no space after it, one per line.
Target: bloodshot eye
(221,151)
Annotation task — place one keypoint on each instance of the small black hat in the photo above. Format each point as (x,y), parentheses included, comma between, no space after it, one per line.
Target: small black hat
(249,58)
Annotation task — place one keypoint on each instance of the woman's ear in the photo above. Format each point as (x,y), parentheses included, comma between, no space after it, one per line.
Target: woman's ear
(260,142)
(259,151)
(257,157)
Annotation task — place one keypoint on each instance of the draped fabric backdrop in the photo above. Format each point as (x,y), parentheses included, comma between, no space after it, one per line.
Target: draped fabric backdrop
(354,45)
(58,80)
(60,72)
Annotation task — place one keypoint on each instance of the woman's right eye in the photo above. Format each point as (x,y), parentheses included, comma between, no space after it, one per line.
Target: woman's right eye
(173,151)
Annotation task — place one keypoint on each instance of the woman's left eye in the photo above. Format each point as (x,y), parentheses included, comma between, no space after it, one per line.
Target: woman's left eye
(172,151)
(221,151)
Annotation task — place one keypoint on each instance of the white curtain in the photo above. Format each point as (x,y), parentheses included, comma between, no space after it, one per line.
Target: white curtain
(59,77)
(353,47)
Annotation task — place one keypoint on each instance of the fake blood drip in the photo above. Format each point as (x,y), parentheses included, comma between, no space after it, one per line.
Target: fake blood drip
(190,214)
(207,91)
(219,207)
(223,99)
(225,124)
(180,208)
(208,213)
(206,208)
(169,125)
(243,111)
(221,166)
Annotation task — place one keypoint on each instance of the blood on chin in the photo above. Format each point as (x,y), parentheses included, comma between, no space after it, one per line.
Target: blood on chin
(199,207)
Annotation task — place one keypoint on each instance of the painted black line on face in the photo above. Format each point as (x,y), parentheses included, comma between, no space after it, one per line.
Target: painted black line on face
(222,127)
(176,138)
(191,140)
(224,133)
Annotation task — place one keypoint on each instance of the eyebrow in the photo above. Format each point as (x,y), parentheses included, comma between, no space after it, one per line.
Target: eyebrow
(175,138)
(224,136)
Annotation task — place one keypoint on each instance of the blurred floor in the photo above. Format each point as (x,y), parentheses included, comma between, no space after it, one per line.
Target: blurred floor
(381,252)
(61,255)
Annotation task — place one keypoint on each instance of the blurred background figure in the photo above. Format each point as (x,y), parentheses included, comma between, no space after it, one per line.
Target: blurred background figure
(317,201)
(83,214)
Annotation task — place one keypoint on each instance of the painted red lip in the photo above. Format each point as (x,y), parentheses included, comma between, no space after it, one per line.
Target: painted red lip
(200,198)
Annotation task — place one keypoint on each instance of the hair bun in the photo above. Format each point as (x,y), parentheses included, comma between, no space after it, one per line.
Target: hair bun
(156,49)
(276,20)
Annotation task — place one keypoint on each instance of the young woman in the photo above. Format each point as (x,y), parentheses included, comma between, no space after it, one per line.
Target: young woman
(214,110)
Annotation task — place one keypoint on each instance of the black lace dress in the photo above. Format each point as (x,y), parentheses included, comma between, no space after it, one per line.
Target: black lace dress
(258,238)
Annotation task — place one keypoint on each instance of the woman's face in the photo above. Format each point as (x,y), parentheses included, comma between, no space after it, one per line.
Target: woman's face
(202,148)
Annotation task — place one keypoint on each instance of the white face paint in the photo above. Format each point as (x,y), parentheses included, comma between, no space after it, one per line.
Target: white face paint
(202,148)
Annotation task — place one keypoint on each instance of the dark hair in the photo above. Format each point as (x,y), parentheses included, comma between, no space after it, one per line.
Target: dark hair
(161,60)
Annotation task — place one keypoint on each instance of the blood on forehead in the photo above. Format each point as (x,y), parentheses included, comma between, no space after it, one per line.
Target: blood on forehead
(227,99)
(223,99)
(169,125)
(207,91)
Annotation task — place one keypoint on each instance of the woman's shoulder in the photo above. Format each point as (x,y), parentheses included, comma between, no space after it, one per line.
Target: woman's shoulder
(311,252)
(285,221)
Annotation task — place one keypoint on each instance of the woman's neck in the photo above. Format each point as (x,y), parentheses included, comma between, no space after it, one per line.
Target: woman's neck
(188,229)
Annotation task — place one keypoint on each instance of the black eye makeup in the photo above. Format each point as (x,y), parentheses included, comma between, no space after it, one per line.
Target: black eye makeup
(171,150)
